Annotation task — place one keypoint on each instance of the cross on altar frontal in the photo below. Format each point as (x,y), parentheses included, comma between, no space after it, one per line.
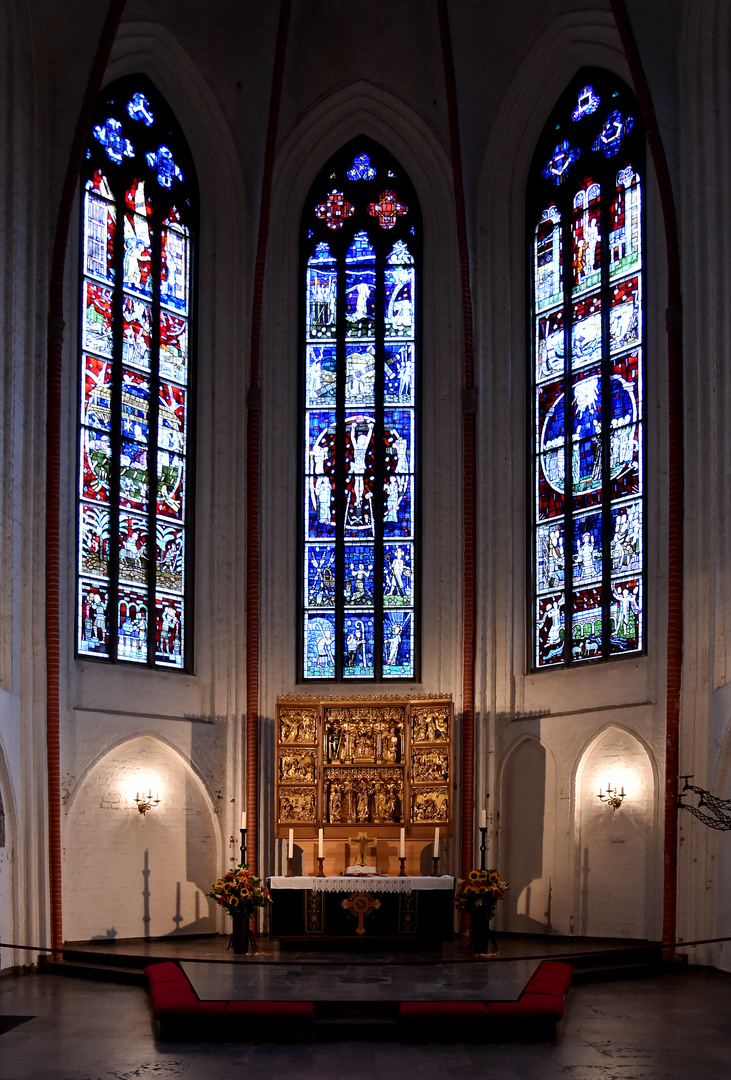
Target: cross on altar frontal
(362,840)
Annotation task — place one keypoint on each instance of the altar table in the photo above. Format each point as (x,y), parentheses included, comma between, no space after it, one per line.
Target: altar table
(362,908)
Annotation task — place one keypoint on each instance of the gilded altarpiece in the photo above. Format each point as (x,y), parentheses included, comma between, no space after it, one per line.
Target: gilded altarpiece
(374,763)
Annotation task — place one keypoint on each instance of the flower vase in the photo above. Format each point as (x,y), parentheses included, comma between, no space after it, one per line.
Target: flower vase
(480,934)
(240,935)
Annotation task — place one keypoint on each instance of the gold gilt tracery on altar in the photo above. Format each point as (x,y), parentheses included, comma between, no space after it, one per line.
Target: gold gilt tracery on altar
(365,762)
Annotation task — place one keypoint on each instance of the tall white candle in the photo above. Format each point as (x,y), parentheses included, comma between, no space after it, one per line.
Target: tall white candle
(402,844)
(290,851)
(320,844)
(243,820)
(483,819)
(436,842)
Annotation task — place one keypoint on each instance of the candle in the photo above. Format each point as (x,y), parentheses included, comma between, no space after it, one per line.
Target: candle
(436,842)
(483,819)
(290,851)
(402,845)
(320,851)
(243,820)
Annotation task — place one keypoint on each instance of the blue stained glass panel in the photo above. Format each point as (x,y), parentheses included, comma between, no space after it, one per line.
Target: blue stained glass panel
(135,405)
(138,108)
(398,645)
(172,414)
(548,266)
(137,249)
(97,328)
(167,171)
(614,130)
(550,552)
(170,485)
(559,164)
(321,375)
(136,332)
(586,627)
(587,552)
(132,625)
(625,237)
(586,237)
(133,478)
(132,548)
(320,576)
(320,494)
(93,621)
(359,469)
(398,575)
(358,632)
(587,451)
(358,587)
(587,103)
(94,541)
(626,615)
(175,267)
(586,332)
(361,168)
(626,546)
(398,376)
(398,508)
(550,629)
(319,646)
(96,404)
(173,347)
(322,291)
(169,630)
(111,135)
(398,435)
(624,314)
(170,556)
(399,303)
(360,374)
(100,223)
(550,346)
(360,287)
(96,457)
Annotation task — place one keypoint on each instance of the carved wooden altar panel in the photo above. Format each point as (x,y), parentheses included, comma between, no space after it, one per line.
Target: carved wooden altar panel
(348,762)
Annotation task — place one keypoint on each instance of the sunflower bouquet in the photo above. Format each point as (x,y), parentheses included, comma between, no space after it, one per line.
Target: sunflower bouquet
(479,892)
(240,892)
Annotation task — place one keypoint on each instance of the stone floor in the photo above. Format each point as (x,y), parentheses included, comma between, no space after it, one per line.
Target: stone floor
(663,1027)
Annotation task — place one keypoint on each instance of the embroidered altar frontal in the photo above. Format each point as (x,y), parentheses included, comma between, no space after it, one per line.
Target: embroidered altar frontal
(393,908)
(383,762)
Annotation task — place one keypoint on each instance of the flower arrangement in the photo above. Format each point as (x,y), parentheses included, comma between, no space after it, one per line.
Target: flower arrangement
(479,893)
(240,892)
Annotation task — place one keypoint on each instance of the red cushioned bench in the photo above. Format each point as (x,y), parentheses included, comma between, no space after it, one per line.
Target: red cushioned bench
(533,1016)
(181,1013)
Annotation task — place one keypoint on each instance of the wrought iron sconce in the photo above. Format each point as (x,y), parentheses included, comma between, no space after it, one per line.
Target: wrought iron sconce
(612,797)
(147,801)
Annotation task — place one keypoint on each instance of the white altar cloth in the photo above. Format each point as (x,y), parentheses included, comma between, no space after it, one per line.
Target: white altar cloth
(352,883)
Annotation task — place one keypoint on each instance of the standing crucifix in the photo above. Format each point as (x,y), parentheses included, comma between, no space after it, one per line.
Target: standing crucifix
(362,840)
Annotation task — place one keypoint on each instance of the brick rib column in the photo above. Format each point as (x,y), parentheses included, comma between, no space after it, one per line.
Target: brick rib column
(675,476)
(469,440)
(54,630)
(253,450)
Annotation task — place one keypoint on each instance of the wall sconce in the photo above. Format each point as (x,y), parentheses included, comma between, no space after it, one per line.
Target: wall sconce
(612,797)
(146,802)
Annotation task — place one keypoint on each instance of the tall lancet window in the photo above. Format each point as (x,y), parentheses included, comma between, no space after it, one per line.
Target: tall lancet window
(359,273)
(585,232)
(139,213)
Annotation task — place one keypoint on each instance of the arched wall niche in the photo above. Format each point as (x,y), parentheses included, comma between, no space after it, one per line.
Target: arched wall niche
(526,856)
(617,853)
(148,876)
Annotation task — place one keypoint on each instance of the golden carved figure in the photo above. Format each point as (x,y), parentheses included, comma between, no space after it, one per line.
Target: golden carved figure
(431,805)
(430,765)
(297,726)
(296,805)
(430,724)
(297,766)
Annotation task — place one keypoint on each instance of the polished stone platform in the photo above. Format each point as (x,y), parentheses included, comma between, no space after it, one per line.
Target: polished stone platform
(393,980)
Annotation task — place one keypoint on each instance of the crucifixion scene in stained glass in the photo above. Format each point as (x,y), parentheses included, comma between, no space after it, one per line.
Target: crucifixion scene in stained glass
(361,243)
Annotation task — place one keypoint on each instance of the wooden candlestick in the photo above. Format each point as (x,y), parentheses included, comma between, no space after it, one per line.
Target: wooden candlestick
(435,866)
(402,871)
(320,871)
(290,867)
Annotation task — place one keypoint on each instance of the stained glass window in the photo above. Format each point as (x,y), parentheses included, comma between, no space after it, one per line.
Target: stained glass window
(361,245)
(587,460)
(139,212)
